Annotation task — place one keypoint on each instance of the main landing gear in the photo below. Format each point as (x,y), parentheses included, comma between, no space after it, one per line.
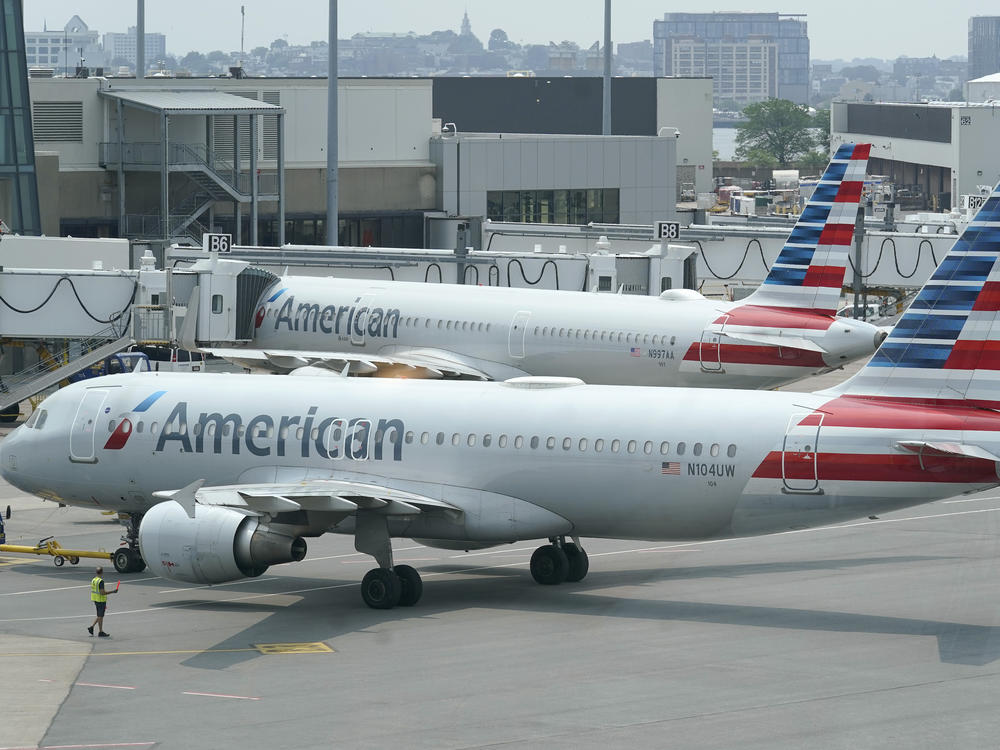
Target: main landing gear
(129,559)
(388,585)
(559,562)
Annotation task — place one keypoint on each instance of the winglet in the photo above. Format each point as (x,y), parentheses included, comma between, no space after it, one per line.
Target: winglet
(186,497)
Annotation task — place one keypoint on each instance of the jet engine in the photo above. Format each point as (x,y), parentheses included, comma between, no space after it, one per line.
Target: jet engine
(217,545)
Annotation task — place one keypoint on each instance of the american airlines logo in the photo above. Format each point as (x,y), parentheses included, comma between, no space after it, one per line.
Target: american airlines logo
(303,435)
(354,320)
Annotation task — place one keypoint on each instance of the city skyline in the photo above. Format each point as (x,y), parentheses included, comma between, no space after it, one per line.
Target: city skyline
(844,30)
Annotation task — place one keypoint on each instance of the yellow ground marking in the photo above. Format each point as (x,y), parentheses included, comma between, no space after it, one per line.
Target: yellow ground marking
(15,561)
(293,648)
(132,653)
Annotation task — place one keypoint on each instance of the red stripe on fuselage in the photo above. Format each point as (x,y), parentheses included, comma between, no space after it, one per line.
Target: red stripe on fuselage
(880,467)
(753,354)
(118,438)
(762,316)
(893,414)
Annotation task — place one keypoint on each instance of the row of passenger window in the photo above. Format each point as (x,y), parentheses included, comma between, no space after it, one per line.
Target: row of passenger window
(582,445)
(587,334)
(471,440)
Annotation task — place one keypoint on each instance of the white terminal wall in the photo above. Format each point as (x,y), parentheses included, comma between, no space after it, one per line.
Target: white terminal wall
(643,168)
(971,154)
(686,104)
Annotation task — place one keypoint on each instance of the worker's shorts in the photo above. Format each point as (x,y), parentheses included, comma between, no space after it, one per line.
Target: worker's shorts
(101,606)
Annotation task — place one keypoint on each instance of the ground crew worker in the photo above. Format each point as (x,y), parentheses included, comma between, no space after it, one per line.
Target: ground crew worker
(100,599)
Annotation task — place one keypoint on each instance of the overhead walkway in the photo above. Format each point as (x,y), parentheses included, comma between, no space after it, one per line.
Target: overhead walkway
(209,176)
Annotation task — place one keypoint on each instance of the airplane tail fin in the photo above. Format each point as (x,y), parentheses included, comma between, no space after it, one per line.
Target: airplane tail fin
(808,273)
(946,346)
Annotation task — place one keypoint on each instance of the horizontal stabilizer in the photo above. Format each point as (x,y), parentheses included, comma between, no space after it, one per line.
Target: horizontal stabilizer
(945,448)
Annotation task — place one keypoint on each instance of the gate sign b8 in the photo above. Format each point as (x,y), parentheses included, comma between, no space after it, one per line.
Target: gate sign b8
(217,243)
(667,230)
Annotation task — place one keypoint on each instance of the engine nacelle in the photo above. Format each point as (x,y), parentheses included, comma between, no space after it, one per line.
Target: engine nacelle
(215,546)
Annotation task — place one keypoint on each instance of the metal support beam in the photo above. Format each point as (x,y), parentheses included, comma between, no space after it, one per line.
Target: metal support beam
(281,180)
(254,193)
(236,179)
(121,168)
(332,157)
(165,178)
(606,116)
(140,39)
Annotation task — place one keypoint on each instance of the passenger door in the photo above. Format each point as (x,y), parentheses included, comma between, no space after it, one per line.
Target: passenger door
(518,330)
(710,348)
(360,322)
(799,455)
(85,425)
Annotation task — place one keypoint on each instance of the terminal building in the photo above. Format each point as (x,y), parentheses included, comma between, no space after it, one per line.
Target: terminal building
(167,159)
(933,152)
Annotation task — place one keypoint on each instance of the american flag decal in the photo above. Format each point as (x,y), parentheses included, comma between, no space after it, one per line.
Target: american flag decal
(670,467)
(635,351)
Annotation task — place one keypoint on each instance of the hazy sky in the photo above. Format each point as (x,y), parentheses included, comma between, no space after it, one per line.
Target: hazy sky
(837,28)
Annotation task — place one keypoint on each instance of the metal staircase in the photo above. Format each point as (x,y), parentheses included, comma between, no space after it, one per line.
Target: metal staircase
(212,179)
(56,366)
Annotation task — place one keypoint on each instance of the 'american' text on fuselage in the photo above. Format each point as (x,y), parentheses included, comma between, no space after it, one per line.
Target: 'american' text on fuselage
(360,321)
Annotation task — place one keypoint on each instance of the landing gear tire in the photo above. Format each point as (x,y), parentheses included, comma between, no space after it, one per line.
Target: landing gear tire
(123,560)
(59,560)
(579,563)
(381,588)
(74,560)
(549,565)
(411,587)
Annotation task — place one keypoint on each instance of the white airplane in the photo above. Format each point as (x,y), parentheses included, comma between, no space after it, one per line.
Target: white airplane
(230,473)
(785,330)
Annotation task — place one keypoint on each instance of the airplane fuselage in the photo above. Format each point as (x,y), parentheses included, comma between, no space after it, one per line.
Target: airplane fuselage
(617,462)
(602,339)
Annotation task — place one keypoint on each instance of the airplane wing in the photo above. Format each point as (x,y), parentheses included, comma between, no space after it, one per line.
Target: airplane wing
(329,495)
(433,363)
(793,342)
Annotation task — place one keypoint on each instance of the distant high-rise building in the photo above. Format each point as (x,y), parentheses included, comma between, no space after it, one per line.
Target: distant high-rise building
(119,46)
(750,56)
(62,49)
(984,46)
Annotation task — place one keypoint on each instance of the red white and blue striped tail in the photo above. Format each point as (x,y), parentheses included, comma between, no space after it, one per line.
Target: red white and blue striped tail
(809,271)
(946,347)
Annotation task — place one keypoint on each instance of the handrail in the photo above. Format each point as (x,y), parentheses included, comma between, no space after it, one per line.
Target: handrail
(52,360)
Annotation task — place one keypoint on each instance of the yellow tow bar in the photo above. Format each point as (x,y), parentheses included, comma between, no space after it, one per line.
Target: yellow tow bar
(49,546)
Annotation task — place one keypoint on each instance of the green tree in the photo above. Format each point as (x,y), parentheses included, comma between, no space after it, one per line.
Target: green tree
(758,157)
(813,162)
(821,123)
(776,127)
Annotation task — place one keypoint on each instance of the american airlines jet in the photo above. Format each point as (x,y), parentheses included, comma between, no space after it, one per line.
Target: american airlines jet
(785,330)
(231,473)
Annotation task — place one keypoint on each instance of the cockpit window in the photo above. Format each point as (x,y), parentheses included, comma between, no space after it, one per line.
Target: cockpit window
(31,420)
(42,416)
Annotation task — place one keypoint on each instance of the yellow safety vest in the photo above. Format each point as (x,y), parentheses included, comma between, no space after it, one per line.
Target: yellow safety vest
(95,590)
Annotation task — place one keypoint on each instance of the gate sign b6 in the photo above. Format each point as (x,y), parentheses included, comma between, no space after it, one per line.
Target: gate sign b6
(217,243)
(667,230)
